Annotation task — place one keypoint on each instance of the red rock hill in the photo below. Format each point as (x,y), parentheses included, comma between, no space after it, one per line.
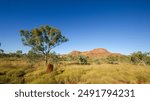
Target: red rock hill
(95,52)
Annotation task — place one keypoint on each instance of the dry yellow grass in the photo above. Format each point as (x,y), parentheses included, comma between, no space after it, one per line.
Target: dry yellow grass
(105,74)
(122,73)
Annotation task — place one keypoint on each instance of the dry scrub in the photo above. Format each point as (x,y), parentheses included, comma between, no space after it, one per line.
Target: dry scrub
(123,73)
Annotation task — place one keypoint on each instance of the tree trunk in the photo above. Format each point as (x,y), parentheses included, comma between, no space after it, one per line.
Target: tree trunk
(46,61)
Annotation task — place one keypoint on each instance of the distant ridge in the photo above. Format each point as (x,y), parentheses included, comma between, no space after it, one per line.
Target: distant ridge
(95,52)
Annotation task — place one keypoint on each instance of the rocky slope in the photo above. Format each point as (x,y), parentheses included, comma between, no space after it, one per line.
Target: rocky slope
(95,52)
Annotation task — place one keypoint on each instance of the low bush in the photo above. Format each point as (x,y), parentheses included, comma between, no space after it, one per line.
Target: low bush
(140,58)
(112,60)
(83,60)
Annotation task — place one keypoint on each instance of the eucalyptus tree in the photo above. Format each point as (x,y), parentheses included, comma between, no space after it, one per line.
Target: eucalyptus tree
(1,50)
(42,39)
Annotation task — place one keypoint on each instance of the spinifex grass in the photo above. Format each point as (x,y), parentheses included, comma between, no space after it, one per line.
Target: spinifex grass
(21,72)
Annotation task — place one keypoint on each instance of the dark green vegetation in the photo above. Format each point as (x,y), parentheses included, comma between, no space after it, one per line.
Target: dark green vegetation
(1,51)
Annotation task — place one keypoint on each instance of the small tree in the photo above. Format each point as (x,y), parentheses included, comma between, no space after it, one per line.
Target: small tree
(1,51)
(83,59)
(19,52)
(139,57)
(43,39)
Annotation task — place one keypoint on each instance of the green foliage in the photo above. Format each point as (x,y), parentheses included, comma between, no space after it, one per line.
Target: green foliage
(53,58)
(19,52)
(1,50)
(42,39)
(112,60)
(83,60)
(139,57)
(32,57)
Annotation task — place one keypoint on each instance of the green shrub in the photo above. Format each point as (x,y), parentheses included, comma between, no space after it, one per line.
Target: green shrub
(112,60)
(140,58)
(83,60)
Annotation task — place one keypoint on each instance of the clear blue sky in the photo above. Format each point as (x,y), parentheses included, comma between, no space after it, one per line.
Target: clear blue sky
(121,26)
